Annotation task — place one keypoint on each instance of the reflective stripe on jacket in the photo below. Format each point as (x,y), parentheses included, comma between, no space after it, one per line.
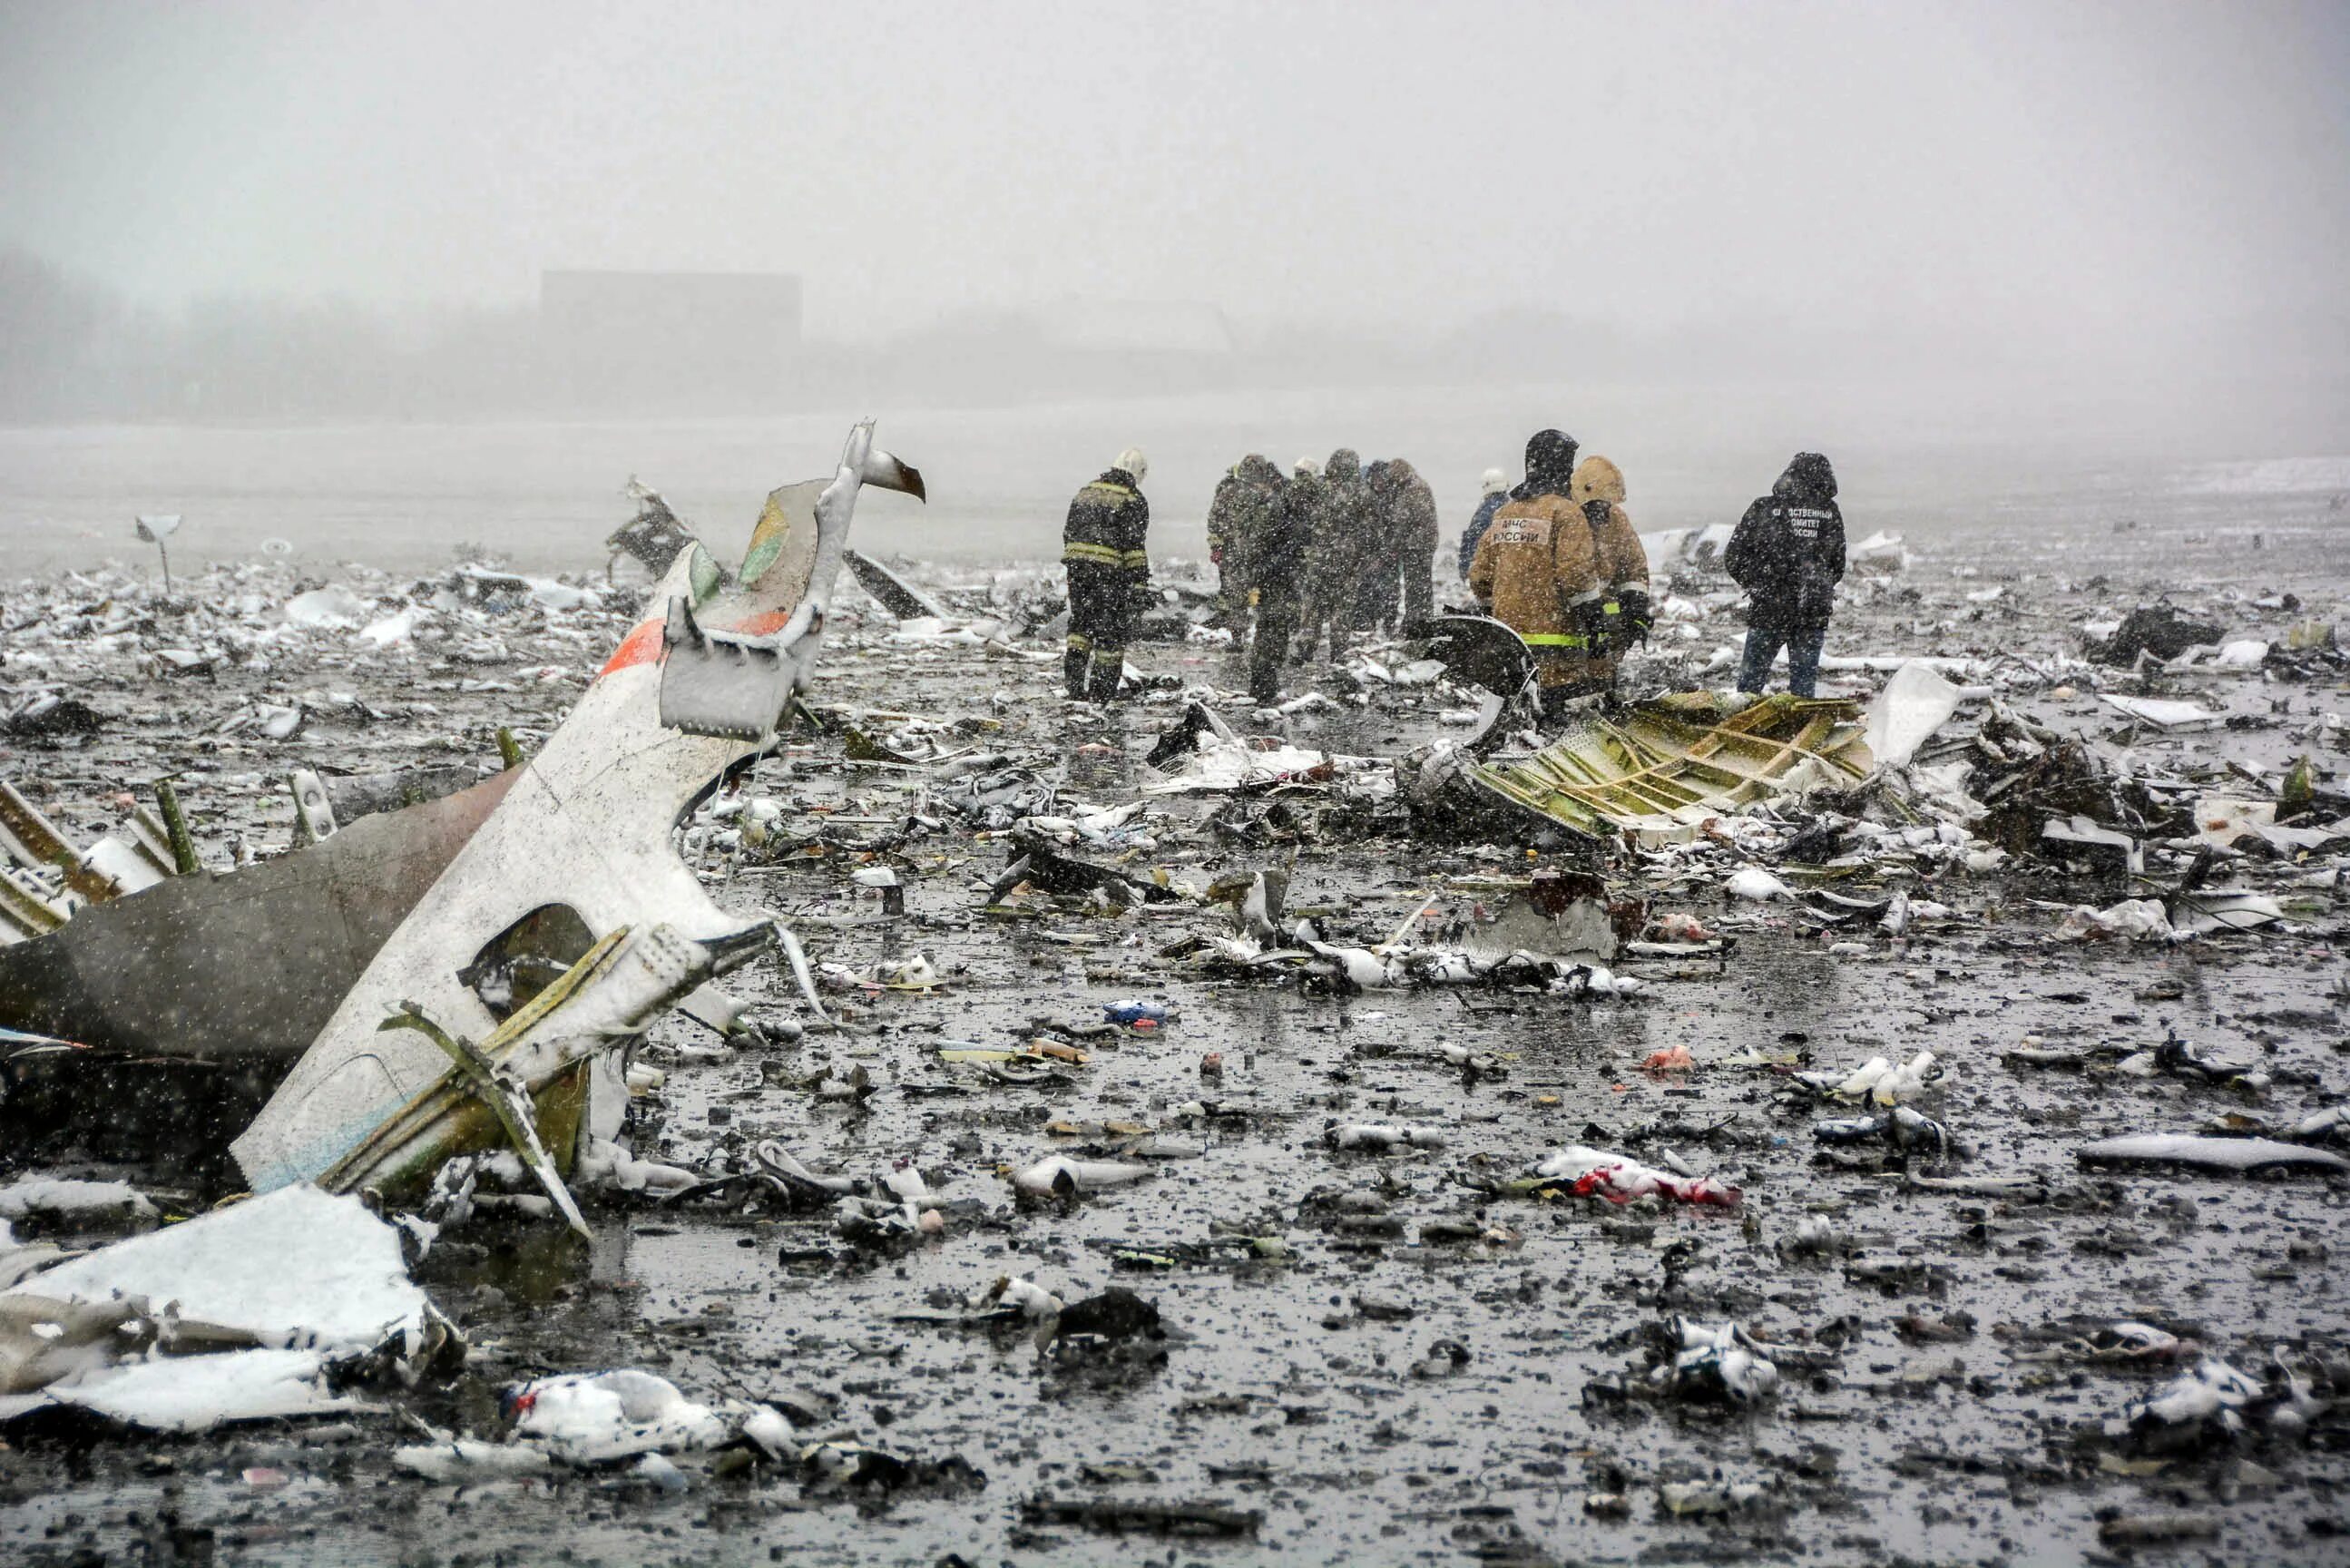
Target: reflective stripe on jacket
(1549,575)
(1109,523)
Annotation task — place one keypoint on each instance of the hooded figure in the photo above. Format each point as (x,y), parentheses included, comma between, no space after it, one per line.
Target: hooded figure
(1404,562)
(1103,544)
(1788,555)
(1550,466)
(1239,513)
(1492,491)
(1342,534)
(1548,567)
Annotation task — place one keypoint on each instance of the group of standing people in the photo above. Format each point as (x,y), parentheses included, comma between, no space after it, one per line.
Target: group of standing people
(1558,562)
(1334,549)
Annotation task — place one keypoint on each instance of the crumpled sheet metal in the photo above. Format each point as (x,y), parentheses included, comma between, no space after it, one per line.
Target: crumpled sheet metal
(586,824)
(240,965)
(1665,765)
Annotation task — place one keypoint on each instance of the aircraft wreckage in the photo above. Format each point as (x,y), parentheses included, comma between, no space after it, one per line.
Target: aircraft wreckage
(1656,769)
(465,971)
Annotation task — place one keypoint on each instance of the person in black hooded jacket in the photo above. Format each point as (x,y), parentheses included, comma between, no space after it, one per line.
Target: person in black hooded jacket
(1788,555)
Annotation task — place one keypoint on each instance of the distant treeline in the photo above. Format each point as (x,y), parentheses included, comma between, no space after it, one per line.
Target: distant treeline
(81,351)
(76,350)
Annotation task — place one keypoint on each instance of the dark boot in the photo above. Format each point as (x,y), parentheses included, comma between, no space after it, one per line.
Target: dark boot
(1109,666)
(1072,672)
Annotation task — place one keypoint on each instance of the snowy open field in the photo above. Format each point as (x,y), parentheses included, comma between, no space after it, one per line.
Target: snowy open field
(406,496)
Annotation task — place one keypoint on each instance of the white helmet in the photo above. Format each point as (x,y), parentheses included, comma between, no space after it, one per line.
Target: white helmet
(1495,482)
(1308,465)
(1134,462)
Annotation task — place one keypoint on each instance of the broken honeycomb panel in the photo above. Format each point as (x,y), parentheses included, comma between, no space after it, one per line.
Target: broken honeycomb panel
(1694,750)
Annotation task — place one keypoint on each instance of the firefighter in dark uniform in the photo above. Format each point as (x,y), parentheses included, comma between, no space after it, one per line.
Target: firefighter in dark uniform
(1277,576)
(1103,545)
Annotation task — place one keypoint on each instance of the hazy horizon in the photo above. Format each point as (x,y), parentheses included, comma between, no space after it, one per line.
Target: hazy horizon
(2115,224)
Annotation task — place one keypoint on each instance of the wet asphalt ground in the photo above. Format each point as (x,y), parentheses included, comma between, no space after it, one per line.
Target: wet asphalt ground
(1380,1390)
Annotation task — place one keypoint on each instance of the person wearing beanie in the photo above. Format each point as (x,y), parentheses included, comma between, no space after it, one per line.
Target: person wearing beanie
(1787,552)
(1104,546)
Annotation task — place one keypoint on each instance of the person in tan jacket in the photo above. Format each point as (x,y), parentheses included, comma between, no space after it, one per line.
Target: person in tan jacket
(1567,575)
(1598,491)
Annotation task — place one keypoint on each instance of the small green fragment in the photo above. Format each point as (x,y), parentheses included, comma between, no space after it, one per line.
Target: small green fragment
(2300,792)
(175,829)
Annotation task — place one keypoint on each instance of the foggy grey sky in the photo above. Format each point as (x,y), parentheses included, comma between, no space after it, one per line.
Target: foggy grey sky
(1982,167)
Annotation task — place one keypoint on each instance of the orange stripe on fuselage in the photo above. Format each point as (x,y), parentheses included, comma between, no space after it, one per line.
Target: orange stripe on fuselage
(643,644)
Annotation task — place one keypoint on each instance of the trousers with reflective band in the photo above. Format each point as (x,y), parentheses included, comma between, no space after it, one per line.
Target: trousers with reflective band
(1102,554)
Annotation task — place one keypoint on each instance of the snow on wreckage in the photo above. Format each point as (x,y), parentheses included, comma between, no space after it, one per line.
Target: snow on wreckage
(1779,846)
(418,920)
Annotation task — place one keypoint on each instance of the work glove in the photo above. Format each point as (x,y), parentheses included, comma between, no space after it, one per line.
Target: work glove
(1636,616)
(1255,597)
(1215,554)
(1591,622)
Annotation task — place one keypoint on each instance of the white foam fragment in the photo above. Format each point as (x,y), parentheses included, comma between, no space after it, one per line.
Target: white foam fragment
(1914,704)
(325,609)
(1754,882)
(296,1268)
(197,1393)
(594,1418)
(72,1200)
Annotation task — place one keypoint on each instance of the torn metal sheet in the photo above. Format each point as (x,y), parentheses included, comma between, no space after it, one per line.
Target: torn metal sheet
(895,593)
(148,975)
(483,1100)
(136,856)
(1904,716)
(2079,834)
(2172,717)
(2233,1156)
(27,909)
(186,1395)
(1478,650)
(1562,916)
(585,827)
(1666,765)
(1483,652)
(178,1330)
(334,1279)
(350,796)
(655,538)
